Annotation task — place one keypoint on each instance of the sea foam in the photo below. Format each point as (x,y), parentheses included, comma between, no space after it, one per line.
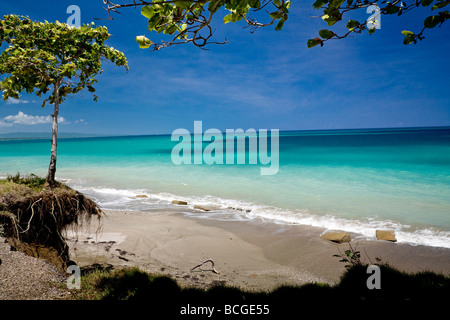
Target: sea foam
(237,210)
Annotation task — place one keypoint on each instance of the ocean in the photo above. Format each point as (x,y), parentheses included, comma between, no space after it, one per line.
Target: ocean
(351,180)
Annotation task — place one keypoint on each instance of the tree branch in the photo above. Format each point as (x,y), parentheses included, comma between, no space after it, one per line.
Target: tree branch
(199,30)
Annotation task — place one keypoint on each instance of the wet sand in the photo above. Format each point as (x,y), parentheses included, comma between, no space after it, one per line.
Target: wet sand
(252,255)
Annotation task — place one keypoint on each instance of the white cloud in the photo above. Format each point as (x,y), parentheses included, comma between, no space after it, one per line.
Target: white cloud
(28,120)
(4,124)
(17,101)
(80,121)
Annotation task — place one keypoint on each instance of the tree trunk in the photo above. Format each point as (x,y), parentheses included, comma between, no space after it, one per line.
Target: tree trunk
(52,167)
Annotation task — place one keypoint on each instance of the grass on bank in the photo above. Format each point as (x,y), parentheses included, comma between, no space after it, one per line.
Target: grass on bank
(160,292)
(34,216)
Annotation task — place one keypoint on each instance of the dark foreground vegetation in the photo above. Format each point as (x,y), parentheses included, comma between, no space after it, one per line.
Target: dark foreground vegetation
(400,291)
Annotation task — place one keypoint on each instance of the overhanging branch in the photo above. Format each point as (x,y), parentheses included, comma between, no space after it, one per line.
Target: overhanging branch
(190,21)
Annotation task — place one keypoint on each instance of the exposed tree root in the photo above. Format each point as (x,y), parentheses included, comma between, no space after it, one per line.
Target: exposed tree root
(34,223)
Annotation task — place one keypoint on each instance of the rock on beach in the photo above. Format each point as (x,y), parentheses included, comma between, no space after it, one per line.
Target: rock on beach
(388,235)
(338,237)
(179,202)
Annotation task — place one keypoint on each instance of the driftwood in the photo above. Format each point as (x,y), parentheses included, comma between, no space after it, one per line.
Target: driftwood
(203,262)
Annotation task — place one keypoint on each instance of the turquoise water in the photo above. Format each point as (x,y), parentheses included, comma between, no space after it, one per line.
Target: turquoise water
(353,180)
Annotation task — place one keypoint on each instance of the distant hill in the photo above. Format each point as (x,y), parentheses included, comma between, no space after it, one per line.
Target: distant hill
(45,135)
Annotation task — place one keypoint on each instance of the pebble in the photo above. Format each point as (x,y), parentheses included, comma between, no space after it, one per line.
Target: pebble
(26,278)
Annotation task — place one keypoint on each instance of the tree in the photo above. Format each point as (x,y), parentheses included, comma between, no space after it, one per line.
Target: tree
(190,21)
(44,56)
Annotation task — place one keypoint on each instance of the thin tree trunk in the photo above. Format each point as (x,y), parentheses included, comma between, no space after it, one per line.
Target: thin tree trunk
(52,167)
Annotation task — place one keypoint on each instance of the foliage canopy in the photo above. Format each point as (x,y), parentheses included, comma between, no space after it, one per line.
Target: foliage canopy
(42,54)
(190,21)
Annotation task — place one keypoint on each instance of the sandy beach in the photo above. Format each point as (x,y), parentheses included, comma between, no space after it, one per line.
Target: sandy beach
(252,255)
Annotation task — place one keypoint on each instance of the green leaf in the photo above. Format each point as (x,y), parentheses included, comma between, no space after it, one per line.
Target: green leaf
(143,42)
(233,17)
(331,21)
(326,34)
(331,16)
(312,43)
(147,12)
(391,9)
(183,4)
(227,18)
(407,33)
(426,3)
(432,21)
(319,4)
(337,3)
(352,24)
(171,30)
(440,5)
(275,15)
(255,4)
(280,25)
(408,39)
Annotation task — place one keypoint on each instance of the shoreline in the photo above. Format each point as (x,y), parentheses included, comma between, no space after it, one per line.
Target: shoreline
(250,255)
(141,200)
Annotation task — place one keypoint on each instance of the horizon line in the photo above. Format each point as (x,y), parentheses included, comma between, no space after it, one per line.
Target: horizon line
(107,135)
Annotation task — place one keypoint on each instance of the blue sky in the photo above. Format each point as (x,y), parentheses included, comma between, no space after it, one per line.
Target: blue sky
(265,80)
